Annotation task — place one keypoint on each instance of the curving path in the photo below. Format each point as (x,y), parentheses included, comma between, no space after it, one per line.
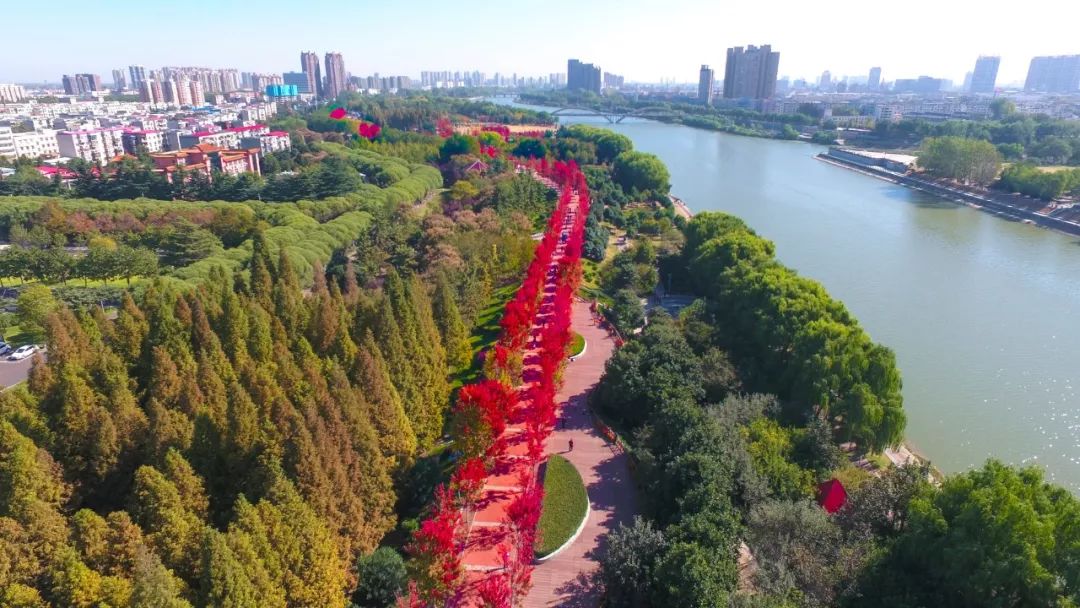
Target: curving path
(564,580)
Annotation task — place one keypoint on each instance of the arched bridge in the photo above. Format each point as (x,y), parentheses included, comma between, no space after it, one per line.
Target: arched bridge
(615,115)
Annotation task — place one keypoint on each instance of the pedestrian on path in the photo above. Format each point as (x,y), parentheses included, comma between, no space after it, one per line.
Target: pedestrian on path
(571,445)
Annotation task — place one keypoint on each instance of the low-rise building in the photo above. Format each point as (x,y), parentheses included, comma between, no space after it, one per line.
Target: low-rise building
(272,141)
(205,159)
(7,142)
(35,144)
(94,145)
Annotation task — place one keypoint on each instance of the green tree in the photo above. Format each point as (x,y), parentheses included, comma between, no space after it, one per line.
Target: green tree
(454,334)
(627,566)
(34,304)
(641,172)
(382,579)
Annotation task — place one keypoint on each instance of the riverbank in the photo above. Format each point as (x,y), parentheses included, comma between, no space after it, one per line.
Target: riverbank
(1003,205)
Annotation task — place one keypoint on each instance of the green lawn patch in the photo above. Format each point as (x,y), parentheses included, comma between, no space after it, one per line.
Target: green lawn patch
(577,345)
(565,505)
(483,335)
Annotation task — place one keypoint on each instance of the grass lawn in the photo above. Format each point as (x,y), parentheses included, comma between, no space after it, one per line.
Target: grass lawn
(565,504)
(484,334)
(577,345)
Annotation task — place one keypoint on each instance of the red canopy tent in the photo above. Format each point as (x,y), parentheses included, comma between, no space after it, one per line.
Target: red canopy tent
(832,495)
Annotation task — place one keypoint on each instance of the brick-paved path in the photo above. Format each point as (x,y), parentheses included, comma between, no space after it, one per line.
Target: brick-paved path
(564,579)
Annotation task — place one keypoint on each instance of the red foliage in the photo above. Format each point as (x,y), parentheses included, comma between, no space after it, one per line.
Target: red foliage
(435,544)
(444,128)
(337,113)
(490,402)
(468,480)
(368,130)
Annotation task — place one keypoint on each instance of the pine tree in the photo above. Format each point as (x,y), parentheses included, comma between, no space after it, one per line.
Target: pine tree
(369,373)
(262,270)
(174,532)
(224,583)
(130,329)
(455,336)
(154,586)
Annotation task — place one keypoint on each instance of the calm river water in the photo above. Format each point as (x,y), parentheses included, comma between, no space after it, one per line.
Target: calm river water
(983,313)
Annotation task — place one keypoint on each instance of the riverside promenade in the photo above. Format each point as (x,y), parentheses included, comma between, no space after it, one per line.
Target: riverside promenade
(564,580)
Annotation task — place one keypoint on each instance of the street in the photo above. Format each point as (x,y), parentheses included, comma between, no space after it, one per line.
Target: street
(14,372)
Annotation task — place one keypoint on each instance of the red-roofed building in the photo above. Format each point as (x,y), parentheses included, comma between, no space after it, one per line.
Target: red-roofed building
(206,158)
(832,495)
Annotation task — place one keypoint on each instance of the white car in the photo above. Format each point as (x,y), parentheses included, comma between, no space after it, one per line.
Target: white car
(22,352)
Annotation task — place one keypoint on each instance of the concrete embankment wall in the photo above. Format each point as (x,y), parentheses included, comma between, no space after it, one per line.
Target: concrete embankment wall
(983,201)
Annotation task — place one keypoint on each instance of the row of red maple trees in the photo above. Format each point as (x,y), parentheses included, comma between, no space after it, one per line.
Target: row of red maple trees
(535,323)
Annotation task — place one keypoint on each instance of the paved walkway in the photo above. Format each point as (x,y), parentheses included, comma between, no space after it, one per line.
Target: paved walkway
(564,579)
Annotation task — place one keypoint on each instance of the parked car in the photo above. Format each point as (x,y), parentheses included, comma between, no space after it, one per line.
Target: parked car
(5,348)
(22,352)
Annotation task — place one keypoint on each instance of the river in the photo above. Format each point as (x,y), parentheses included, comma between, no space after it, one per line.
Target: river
(983,313)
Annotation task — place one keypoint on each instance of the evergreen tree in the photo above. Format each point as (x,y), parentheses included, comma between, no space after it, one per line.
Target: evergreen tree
(154,586)
(369,373)
(455,336)
(224,582)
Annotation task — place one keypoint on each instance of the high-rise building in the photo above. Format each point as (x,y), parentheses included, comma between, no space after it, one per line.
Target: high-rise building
(751,72)
(81,84)
(984,77)
(1060,74)
(611,81)
(582,76)
(335,75)
(309,65)
(138,75)
(12,93)
(299,80)
(873,82)
(825,82)
(706,80)
(198,93)
(150,92)
(118,80)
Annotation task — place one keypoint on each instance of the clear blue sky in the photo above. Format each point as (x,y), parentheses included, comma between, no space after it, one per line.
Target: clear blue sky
(642,40)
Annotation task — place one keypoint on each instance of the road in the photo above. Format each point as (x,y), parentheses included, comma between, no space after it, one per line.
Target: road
(14,372)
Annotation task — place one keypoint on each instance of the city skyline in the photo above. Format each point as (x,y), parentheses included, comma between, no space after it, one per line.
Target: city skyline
(553,38)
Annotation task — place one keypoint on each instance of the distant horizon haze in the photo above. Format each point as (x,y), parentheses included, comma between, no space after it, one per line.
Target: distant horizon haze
(644,41)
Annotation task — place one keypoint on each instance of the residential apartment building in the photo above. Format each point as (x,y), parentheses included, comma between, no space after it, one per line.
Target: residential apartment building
(35,144)
(12,93)
(82,84)
(751,72)
(119,81)
(984,78)
(138,75)
(273,141)
(582,76)
(706,82)
(309,67)
(150,91)
(94,145)
(138,141)
(1060,74)
(335,75)
(7,142)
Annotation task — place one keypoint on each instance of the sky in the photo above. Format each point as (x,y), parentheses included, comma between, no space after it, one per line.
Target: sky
(643,40)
